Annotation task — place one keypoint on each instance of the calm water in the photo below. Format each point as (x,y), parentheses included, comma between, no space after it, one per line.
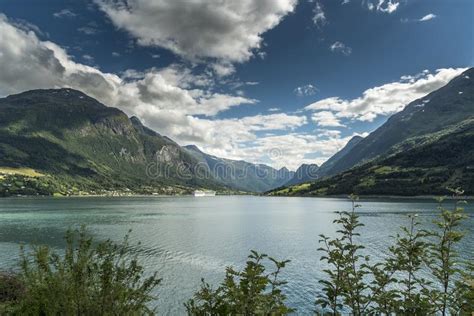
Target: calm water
(186,238)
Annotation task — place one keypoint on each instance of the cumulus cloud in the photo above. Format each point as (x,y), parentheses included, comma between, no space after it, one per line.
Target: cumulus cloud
(223,69)
(306,90)
(28,63)
(173,100)
(293,149)
(388,98)
(339,47)
(230,31)
(326,118)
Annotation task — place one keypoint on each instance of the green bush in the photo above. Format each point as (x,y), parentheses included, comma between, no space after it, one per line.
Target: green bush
(250,292)
(396,286)
(87,280)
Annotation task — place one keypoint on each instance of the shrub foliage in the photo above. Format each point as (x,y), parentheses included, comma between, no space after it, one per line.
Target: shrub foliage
(422,275)
(249,292)
(89,279)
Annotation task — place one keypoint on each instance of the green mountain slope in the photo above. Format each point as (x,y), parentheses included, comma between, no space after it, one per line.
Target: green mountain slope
(423,149)
(438,161)
(79,144)
(329,164)
(240,174)
(446,106)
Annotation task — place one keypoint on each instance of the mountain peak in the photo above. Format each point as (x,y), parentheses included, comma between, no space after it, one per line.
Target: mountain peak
(57,93)
(193,148)
(444,107)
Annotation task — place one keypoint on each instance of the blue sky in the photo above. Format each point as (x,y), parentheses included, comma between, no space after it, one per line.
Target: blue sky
(274,81)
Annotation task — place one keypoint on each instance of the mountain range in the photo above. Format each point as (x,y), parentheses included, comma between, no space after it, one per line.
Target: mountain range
(61,141)
(424,149)
(240,174)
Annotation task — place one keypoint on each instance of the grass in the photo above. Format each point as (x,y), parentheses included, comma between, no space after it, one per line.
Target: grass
(386,170)
(28,172)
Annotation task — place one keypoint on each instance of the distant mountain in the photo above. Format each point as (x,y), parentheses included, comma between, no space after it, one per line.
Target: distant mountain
(423,149)
(424,165)
(446,106)
(80,145)
(305,173)
(240,174)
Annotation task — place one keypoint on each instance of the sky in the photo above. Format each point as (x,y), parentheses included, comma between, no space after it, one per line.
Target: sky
(280,82)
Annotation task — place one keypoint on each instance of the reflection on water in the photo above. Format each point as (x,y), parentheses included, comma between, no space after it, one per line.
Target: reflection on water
(186,238)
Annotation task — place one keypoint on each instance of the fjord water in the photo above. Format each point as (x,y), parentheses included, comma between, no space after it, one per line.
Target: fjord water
(187,238)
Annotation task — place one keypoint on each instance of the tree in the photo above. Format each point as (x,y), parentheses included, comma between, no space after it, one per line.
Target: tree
(396,285)
(345,284)
(249,292)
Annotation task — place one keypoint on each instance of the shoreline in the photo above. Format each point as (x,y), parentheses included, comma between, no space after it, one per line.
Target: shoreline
(339,196)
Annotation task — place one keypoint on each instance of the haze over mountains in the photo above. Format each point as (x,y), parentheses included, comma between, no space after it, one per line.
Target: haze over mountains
(240,174)
(424,149)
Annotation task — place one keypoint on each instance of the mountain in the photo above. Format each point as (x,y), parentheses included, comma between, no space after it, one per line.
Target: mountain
(240,174)
(438,161)
(305,173)
(424,149)
(72,143)
(329,164)
(446,106)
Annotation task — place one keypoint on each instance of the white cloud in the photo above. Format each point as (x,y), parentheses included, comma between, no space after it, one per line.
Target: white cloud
(64,13)
(168,100)
(340,47)
(388,98)
(116,54)
(230,31)
(223,69)
(29,63)
(305,90)
(427,17)
(293,149)
(274,109)
(330,133)
(90,28)
(385,6)
(280,121)
(319,17)
(327,119)
(88,58)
